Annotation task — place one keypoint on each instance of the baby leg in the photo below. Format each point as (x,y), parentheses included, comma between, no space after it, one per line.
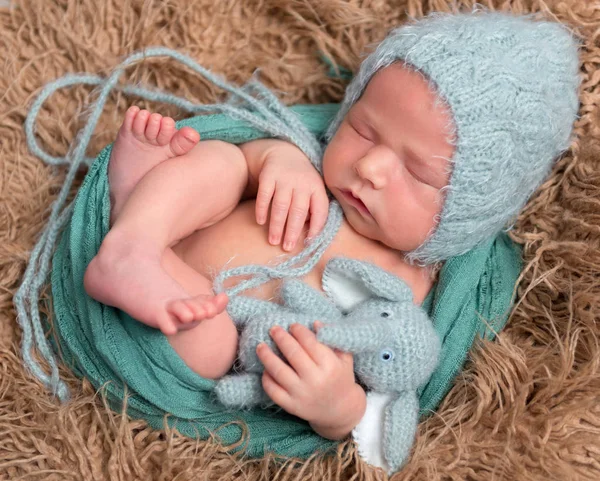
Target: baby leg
(174,198)
(144,141)
(210,347)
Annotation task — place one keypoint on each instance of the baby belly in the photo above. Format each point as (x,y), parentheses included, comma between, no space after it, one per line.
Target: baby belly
(238,240)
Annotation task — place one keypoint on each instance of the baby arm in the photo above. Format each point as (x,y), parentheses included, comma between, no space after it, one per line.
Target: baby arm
(316,384)
(281,175)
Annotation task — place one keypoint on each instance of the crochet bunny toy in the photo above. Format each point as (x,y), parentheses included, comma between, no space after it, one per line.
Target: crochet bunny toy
(394,344)
(395,350)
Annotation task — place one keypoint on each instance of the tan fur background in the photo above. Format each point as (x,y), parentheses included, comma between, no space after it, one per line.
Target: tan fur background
(526,408)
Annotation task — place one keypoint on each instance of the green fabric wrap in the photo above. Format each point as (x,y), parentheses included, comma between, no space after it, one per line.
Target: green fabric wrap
(113,350)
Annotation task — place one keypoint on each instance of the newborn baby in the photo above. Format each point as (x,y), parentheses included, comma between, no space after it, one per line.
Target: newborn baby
(431,108)
(165,185)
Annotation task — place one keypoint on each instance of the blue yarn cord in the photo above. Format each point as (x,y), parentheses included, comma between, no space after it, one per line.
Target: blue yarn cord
(256,105)
(27,295)
(285,269)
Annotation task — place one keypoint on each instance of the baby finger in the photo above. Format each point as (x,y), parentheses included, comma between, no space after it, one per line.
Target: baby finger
(283,374)
(279,212)
(263,200)
(296,219)
(319,209)
(277,394)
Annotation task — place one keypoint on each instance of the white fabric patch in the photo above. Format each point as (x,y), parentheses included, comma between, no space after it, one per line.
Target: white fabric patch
(368,434)
(344,289)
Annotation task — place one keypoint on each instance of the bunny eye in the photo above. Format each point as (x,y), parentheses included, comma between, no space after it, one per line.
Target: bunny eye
(386,355)
(386,314)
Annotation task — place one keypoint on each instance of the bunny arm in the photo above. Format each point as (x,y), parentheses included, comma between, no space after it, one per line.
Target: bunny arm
(297,297)
(353,337)
(241,391)
(302,305)
(257,331)
(245,390)
(401,418)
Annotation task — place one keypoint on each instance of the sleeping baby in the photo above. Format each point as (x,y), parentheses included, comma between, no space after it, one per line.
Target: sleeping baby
(444,133)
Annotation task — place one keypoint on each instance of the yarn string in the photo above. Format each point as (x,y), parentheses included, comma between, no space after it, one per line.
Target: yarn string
(27,296)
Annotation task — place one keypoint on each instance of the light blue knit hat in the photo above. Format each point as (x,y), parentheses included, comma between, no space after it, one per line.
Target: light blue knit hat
(511,84)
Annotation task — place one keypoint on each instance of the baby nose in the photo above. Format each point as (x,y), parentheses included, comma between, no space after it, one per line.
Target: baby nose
(375,167)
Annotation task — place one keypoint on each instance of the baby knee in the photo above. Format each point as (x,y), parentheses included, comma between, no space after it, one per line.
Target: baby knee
(210,348)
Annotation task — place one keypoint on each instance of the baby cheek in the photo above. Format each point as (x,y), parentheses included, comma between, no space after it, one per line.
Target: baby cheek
(346,142)
(334,157)
(429,216)
(410,212)
(327,167)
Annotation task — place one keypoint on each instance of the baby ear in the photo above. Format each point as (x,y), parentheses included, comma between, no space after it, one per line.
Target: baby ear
(379,282)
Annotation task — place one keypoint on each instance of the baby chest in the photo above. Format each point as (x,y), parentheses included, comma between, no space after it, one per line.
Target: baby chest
(238,240)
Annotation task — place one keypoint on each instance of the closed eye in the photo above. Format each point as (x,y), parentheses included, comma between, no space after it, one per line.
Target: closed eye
(416,176)
(360,134)
(415,168)
(422,170)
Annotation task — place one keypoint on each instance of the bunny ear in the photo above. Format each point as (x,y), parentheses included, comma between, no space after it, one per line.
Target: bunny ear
(360,337)
(300,297)
(400,426)
(379,282)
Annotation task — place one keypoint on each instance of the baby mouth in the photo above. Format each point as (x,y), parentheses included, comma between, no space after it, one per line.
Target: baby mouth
(356,202)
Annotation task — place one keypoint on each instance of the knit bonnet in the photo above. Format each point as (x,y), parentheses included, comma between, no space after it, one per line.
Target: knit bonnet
(511,86)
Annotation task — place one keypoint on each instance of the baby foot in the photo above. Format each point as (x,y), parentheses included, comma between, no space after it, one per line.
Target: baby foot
(199,308)
(144,141)
(130,277)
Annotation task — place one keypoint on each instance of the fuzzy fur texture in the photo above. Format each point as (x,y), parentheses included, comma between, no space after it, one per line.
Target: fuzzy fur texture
(526,408)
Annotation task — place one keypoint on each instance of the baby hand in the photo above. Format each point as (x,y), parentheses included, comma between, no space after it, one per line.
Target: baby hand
(317,383)
(296,190)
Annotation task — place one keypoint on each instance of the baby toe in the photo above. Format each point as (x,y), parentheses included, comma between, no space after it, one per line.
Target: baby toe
(167,325)
(181,311)
(220,301)
(130,115)
(184,141)
(210,310)
(197,309)
(153,127)
(166,132)
(139,124)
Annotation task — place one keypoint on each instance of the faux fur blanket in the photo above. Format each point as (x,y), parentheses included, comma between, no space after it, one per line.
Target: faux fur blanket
(526,407)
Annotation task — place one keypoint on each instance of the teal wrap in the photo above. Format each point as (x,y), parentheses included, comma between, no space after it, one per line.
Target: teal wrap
(113,350)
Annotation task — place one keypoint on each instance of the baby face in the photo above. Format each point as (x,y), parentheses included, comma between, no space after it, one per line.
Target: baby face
(388,161)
